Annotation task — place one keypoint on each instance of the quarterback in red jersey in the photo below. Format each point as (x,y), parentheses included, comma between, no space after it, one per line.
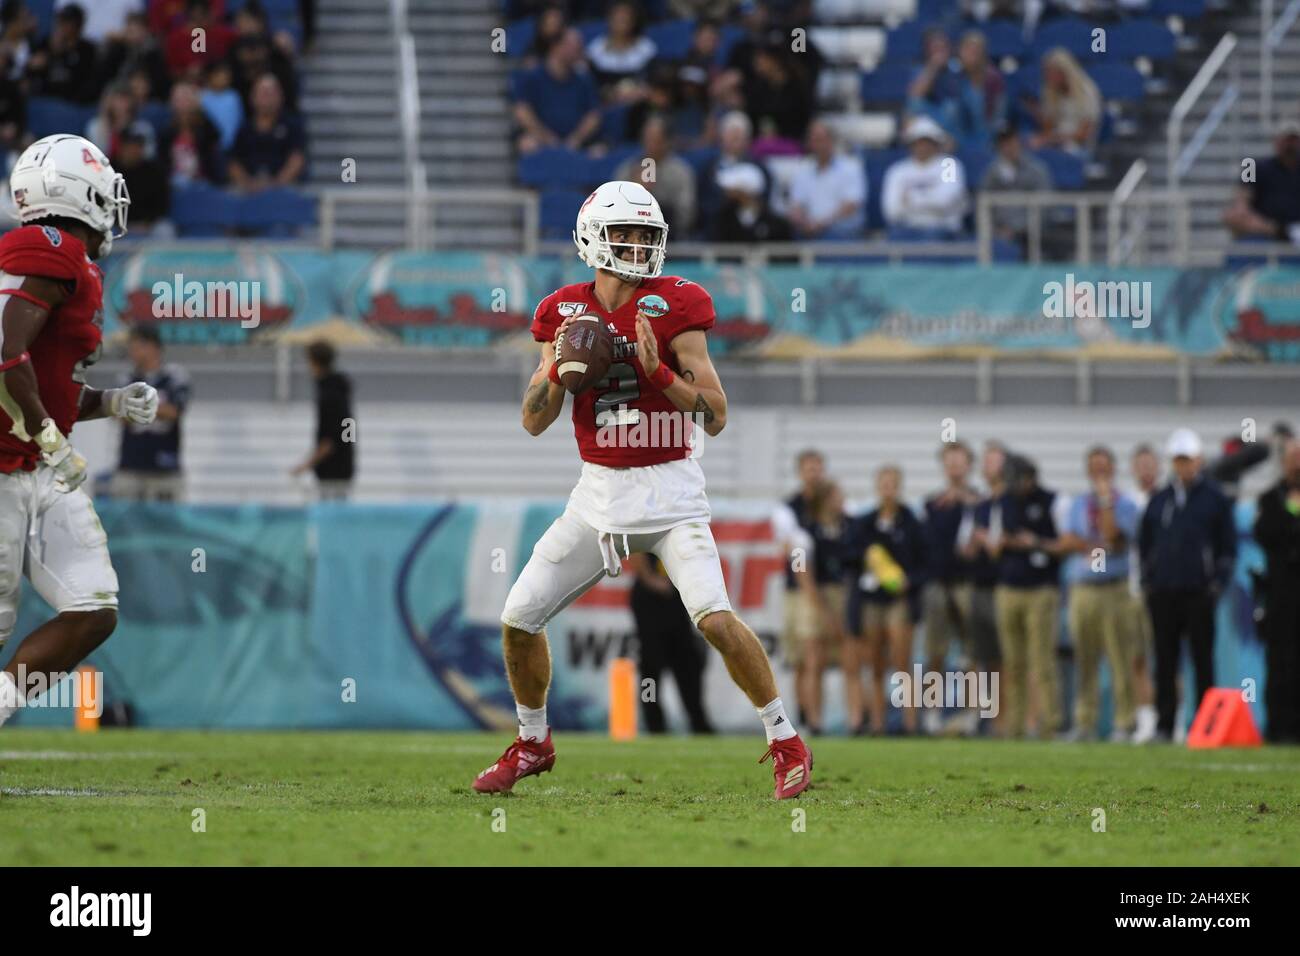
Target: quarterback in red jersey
(72,205)
(641,488)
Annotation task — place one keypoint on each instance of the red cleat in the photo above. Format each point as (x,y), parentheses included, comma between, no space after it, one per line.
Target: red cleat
(791,765)
(523,758)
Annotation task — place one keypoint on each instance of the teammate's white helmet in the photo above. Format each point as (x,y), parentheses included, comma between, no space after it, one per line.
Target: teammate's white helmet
(621,204)
(64,175)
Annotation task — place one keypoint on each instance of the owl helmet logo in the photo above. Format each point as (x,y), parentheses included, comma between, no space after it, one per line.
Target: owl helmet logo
(621,204)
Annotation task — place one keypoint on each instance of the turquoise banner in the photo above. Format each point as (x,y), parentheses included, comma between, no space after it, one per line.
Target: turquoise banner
(386,616)
(478,300)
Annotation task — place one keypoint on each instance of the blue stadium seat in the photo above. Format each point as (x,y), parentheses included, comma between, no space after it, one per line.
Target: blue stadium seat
(601,169)
(276,212)
(1003,37)
(156,114)
(1070,32)
(875,162)
(514,78)
(519,36)
(699,158)
(559,208)
(1066,169)
(672,38)
(201,210)
(47,116)
(1118,81)
(1130,39)
(1006,251)
(554,167)
(1026,81)
(903,43)
(44,12)
(887,83)
(974,162)
(731,35)
(1189,9)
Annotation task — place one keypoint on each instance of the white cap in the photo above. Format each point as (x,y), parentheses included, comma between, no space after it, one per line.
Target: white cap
(1184,443)
(922,127)
(745,177)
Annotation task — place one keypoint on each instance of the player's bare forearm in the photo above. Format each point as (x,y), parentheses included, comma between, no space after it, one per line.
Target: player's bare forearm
(91,405)
(20,323)
(543,400)
(697,389)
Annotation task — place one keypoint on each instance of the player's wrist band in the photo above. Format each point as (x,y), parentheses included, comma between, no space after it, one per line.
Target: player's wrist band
(554,373)
(663,377)
(14,362)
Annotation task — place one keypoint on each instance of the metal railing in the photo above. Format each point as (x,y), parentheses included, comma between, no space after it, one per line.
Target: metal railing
(1272,31)
(408,101)
(419,211)
(1180,157)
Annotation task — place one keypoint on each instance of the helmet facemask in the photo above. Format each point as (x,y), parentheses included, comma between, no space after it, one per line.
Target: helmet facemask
(646,260)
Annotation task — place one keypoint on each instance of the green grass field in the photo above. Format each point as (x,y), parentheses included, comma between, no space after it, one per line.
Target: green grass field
(128,797)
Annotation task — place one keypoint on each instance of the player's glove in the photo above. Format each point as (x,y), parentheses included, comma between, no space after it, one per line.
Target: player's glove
(136,403)
(69,467)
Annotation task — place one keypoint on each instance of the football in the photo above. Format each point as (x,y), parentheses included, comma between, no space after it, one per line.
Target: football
(584,354)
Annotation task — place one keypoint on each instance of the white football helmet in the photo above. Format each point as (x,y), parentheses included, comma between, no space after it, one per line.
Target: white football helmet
(65,175)
(621,204)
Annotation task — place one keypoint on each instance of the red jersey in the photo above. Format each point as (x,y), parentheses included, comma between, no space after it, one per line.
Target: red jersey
(67,343)
(623,421)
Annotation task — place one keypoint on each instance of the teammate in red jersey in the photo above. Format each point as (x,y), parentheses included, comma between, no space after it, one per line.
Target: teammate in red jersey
(72,205)
(641,489)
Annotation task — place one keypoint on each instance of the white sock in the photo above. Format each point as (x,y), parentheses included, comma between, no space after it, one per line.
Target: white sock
(532,723)
(8,696)
(775,722)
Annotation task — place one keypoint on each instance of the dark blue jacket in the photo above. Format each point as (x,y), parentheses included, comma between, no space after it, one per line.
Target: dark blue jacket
(1192,548)
(1033,513)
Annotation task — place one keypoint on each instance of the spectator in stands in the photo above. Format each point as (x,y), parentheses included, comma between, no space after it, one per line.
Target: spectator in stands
(924,195)
(105,19)
(778,99)
(255,52)
(621,54)
(828,194)
(1268,207)
(333,460)
(1099,528)
(946,598)
(17,36)
(117,115)
(745,215)
(137,50)
(667,176)
(149,468)
(190,144)
(271,148)
(666,640)
(1027,598)
(982,93)
(701,9)
(147,183)
(1068,113)
(936,89)
(551,24)
(222,104)
(1188,545)
(887,548)
(64,65)
(734,141)
(658,98)
(13,114)
(1014,170)
(558,103)
(165,14)
(186,57)
(1145,467)
(1277,531)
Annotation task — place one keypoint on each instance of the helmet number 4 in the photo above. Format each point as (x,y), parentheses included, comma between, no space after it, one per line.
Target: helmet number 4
(617,390)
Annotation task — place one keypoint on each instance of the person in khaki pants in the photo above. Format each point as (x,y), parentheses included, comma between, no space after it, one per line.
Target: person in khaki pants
(1098,529)
(1027,598)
